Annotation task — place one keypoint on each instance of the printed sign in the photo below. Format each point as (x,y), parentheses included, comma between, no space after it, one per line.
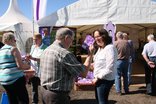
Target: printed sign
(89,40)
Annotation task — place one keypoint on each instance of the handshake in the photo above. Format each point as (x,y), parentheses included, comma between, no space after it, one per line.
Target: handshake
(29,57)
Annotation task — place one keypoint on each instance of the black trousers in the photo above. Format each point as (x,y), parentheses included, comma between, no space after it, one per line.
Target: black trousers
(153,76)
(35,82)
(17,92)
(148,76)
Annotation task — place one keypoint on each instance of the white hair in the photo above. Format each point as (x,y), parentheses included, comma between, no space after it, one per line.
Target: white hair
(150,37)
(7,37)
(62,32)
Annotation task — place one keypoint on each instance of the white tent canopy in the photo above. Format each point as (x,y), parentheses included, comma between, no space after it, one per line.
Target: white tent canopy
(90,12)
(82,12)
(14,20)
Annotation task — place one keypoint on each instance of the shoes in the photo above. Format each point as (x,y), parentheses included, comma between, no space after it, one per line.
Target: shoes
(127,92)
(148,93)
(153,94)
(119,93)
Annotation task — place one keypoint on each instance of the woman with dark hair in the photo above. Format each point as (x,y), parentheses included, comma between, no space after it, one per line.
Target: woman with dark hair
(104,65)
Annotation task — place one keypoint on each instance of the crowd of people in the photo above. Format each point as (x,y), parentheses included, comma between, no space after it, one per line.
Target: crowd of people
(55,67)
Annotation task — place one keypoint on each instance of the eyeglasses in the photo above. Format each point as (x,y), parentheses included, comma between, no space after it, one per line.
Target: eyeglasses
(97,37)
(72,38)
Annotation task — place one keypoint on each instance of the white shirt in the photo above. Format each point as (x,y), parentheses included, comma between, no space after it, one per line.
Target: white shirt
(105,63)
(150,49)
(36,53)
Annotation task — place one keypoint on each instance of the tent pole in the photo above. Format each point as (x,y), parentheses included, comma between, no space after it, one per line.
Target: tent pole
(32,18)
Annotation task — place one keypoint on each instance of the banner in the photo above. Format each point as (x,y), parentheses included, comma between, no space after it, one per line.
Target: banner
(111,29)
(39,9)
(46,36)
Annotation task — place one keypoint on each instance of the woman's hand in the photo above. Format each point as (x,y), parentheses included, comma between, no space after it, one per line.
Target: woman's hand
(28,57)
(94,81)
(91,49)
(92,66)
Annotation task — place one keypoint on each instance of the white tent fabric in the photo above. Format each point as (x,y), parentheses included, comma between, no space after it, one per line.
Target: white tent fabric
(14,20)
(79,13)
(134,11)
(90,12)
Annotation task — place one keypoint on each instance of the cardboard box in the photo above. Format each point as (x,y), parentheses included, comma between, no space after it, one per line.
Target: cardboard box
(84,87)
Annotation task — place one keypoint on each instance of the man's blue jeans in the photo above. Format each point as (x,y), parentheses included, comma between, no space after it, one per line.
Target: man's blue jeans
(129,70)
(102,90)
(122,70)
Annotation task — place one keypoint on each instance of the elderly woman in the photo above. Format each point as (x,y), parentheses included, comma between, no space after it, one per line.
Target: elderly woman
(34,56)
(11,71)
(104,65)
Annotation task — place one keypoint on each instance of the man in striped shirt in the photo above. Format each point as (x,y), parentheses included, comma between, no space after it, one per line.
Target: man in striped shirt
(59,68)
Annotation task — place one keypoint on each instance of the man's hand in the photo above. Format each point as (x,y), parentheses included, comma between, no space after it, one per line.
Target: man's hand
(151,64)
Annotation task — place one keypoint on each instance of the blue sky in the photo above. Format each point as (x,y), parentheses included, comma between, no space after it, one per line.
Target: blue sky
(26,6)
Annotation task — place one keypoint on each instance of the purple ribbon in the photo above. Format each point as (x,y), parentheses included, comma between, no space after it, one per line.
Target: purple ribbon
(37,9)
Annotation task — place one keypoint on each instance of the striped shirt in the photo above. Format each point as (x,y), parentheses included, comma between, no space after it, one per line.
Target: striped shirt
(9,72)
(59,67)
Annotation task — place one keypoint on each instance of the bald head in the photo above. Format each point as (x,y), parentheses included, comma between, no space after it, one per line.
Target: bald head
(150,37)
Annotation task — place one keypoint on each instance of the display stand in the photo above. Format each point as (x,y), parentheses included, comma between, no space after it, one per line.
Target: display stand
(84,87)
